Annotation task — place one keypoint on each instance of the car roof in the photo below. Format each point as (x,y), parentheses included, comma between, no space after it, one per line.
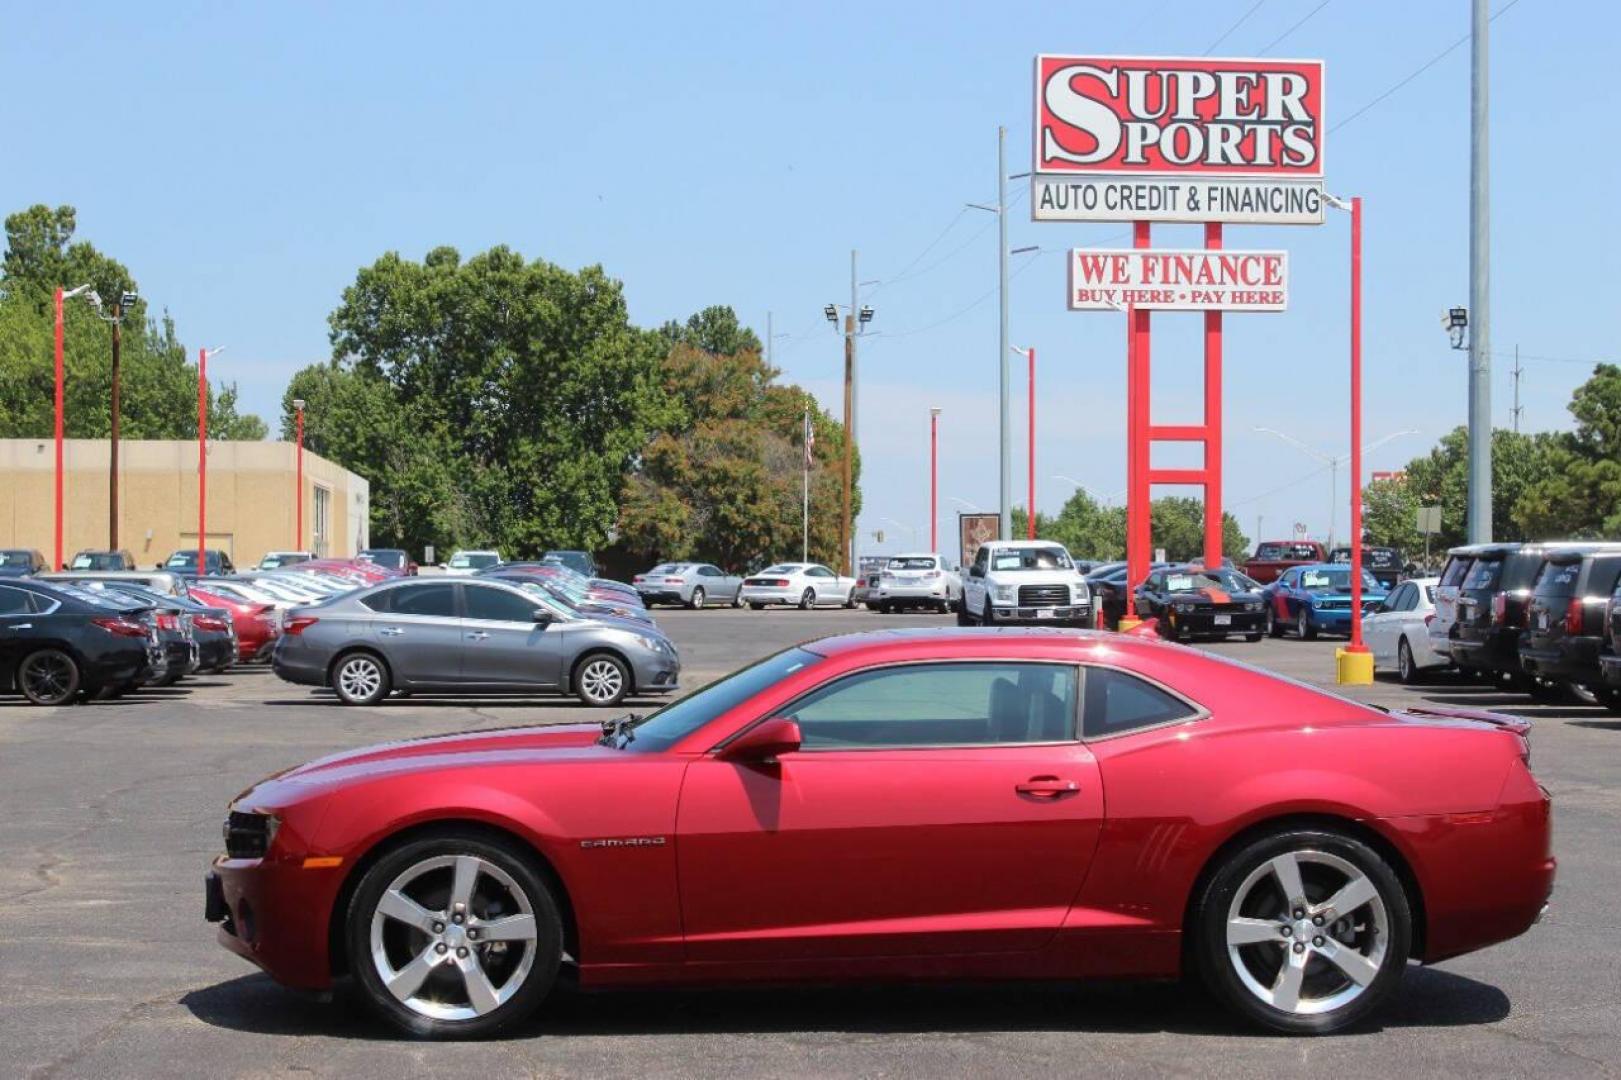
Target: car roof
(1025,544)
(1011,640)
(916,555)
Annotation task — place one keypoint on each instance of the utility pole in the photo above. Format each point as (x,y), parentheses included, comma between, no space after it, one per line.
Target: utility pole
(845,539)
(768,339)
(112,470)
(1480,343)
(1006,452)
(1517,371)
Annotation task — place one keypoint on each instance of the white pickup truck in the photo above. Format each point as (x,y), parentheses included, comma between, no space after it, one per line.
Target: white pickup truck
(1024,581)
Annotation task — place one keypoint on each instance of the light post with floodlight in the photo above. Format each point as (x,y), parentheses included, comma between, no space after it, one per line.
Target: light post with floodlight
(61,295)
(202,456)
(864,315)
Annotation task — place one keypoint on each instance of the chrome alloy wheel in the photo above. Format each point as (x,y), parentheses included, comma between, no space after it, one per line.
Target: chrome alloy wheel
(601,680)
(359,678)
(1307,932)
(453,937)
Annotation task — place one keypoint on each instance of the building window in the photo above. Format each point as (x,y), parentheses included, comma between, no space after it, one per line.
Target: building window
(323,521)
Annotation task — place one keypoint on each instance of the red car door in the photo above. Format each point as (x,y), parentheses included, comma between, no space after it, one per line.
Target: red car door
(933,809)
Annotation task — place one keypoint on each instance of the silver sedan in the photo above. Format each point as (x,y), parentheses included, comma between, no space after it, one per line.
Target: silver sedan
(478,636)
(692,584)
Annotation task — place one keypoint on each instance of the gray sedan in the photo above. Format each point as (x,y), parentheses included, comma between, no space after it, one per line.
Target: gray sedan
(692,584)
(479,636)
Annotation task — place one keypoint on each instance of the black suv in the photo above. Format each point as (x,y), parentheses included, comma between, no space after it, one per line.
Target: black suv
(1384,563)
(1491,607)
(1609,661)
(1564,628)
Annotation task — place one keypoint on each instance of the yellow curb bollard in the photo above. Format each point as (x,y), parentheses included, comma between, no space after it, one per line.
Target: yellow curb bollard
(1129,622)
(1353,668)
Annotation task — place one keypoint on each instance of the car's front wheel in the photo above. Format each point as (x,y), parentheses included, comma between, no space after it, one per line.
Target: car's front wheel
(601,680)
(453,936)
(360,679)
(1304,931)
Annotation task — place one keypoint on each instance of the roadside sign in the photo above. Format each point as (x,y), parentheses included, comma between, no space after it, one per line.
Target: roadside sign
(1429,519)
(975,530)
(1178,139)
(1174,280)
(427,554)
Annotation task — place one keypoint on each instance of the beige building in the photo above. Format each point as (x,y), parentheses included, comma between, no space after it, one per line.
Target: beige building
(250,499)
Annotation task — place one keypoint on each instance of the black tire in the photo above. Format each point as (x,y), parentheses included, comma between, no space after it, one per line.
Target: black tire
(1253,638)
(601,680)
(1273,627)
(1610,698)
(697,600)
(1304,627)
(1355,931)
(756,607)
(49,677)
(963,618)
(884,609)
(850,599)
(360,678)
(544,951)
(985,616)
(807,599)
(1406,666)
(737,598)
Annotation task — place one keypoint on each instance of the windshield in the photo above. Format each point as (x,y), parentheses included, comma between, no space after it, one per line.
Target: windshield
(394,560)
(1044,558)
(1287,551)
(185,560)
(922,562)
(1334,581)
(86,560)
(477,560)
(681,718)
(544,597)
(15,558)
(1189,581)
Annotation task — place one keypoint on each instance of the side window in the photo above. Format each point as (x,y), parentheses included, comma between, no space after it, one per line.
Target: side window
(16,601)
(1117,702)
(380,601)
(1402,599)
(497,605)
(436,599)
(955,704)
(1287,581)
(819,572)
(981,559)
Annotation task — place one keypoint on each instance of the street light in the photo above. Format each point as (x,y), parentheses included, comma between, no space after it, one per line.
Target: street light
(61,295)
(973,507)
(202,456)
(934,478)
(1106,500)
(125,301)
(298,481)
(1333,463)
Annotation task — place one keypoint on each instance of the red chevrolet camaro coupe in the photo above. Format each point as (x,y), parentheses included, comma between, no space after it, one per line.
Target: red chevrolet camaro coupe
(904,804)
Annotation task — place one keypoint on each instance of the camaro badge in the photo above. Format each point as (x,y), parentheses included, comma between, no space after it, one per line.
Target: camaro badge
(625,841)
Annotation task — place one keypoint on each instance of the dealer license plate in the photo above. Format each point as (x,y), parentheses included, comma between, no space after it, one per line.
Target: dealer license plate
(1044,613)
(1224,620)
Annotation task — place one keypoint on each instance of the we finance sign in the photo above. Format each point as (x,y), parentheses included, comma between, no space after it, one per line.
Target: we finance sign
(1189,140)
(1199,280)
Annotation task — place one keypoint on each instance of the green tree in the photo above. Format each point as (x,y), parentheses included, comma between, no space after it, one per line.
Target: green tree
(1390,515)
(1098,533)
(715,330)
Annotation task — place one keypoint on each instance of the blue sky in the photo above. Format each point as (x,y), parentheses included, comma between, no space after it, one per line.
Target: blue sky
(245,160)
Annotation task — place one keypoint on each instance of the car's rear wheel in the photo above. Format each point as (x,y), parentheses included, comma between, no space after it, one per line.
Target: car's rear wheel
(807,599)
(49,677)
(1304,931)
(697,600)
(454,936)
(360,678)
(756,607)
(601,679)
(1406,666)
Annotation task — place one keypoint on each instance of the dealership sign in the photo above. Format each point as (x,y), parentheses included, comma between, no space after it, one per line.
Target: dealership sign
(1190,140)
(1200,280)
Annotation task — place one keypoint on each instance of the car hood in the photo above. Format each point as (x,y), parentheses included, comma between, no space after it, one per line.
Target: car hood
(531,744)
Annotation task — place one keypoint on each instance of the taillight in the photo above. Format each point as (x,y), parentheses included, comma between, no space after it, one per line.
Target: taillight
(121,627)
(1429,619)
(932,574)
(1573,616)
(781,583)
(168,622)
(1499,609)
(299,624)
(209,622)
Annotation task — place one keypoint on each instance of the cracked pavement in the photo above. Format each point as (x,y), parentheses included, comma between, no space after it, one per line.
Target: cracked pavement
(110,812)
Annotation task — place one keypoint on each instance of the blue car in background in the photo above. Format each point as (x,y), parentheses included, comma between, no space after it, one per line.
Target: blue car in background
(1316,599)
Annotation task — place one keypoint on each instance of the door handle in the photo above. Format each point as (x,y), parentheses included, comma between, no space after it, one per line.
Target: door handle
(1047,787)
(391,631)
(21,626)
(477,635)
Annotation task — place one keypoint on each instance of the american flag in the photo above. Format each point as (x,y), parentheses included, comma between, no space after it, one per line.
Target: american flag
(810,441)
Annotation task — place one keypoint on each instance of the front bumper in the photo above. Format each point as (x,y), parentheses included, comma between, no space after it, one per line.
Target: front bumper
(1195,621)
(273,913)
(1073,613)
(656,673)
(1337,621)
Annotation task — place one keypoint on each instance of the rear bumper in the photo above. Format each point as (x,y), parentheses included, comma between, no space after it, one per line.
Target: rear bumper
(909,594)
(755,594)
(1610,669)
(1572,660)
(1497,649)
(661,596)
(294,663)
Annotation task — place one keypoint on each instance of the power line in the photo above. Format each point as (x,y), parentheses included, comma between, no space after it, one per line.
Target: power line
(1431,62)
(901,276)
(1302,22)
(965,309)
(1242,19)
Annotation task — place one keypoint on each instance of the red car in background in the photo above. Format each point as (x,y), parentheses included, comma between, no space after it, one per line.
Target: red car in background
(904,805)
(1273,557)
(256,625)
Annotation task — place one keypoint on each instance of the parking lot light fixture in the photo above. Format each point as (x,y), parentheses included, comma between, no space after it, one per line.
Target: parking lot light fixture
(934,478)
(202,455)
(61,295)
(298,477)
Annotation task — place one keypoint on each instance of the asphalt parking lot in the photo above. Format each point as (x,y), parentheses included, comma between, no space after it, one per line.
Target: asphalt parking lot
(110,812)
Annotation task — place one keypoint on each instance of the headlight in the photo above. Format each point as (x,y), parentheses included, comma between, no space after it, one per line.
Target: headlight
(1004,592)
(1311,600)
(1080,591)
(1253,606)
(652,643)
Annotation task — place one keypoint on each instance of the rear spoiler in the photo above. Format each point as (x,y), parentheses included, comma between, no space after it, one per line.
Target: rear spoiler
(1519,725)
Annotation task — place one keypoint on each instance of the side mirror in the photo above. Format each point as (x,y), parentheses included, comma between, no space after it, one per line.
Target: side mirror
(764,742)
(543,618)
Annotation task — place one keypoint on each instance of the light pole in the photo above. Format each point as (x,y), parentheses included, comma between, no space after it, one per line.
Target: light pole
(1480,356)
(123,303)
(202,456)
(1333,462)
(934,478)
(56,563)
(298,480)
(1030,498)
(864,315)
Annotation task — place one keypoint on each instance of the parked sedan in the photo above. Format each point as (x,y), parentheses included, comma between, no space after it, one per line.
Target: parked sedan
(904,805)
(473,635)
(20,562)
(391,558)
(1316,599)
(184,563)
(255,623)
(692,584)
(59,644)
(909,581)
(1188,601)
(1397,631)
(807,585)
(102,560)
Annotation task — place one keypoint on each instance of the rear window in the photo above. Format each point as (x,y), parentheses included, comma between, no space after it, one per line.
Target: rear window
(911,564)
(1484,574)
(1558,578)
(1457,569)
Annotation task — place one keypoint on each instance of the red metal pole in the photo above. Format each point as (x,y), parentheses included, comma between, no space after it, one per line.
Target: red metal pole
(298,488)
(1212,420)
(1138,534)
(1030,500)
(202,462)
(56,562)
(934,480)
(1356,425)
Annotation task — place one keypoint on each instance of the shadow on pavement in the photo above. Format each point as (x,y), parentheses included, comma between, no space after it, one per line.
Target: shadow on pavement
(1427,997)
